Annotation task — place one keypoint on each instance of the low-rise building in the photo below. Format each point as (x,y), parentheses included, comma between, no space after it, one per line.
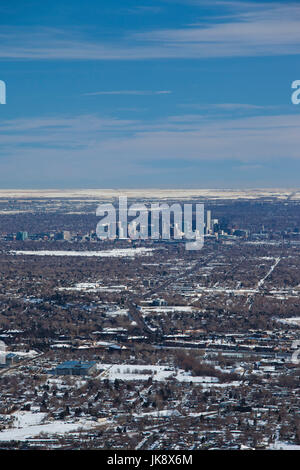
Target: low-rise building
(75,368)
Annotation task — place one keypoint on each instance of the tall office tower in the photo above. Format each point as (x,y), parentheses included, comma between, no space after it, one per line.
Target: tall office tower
(66,235)
(208,222)
(121,231)
(177,232)
(214,225)
(22,236)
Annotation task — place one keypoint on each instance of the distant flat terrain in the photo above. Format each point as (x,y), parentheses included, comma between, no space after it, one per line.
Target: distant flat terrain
(282,194)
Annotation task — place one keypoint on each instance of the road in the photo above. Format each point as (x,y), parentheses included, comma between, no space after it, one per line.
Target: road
(20,364)
(132,303)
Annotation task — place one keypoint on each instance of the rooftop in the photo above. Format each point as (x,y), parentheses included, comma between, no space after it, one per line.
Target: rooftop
(76,364)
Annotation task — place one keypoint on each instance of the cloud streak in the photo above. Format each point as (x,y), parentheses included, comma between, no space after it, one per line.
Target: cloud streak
(247,29)
(76,150)
(129,92)
(187,136)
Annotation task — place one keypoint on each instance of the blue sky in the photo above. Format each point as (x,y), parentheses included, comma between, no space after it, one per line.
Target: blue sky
(145,94)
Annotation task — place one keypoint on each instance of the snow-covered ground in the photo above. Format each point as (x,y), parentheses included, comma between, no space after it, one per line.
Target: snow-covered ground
(135,372)
(290,321)
(186,377)
(114,312)
(115,253)
(224,290)
(25,355)
(93,287)
(23,419)
(261,282)
(157,373)
(278,445)
(174,308)
(159,414)
(28,424)
(95,194)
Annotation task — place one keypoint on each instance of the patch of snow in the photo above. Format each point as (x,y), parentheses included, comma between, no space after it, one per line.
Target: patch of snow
(115,253)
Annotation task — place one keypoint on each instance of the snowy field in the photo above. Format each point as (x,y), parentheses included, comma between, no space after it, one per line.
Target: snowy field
(156,373)
(290,321)
(159,414)
(116,253)
(171,309)
(97,194)
(24,354)
(28,424)
(278,445)
(93,287)
(115,312)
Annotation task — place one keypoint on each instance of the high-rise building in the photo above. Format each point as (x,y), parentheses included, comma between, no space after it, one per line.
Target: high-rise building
(208,222)
(215,225)
(22,236)
(66,235)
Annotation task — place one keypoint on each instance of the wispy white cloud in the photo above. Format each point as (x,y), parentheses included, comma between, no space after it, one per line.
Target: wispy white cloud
(246,29)
(87,147)
(142,9)
(226,106)
(129,92)
(92,140)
